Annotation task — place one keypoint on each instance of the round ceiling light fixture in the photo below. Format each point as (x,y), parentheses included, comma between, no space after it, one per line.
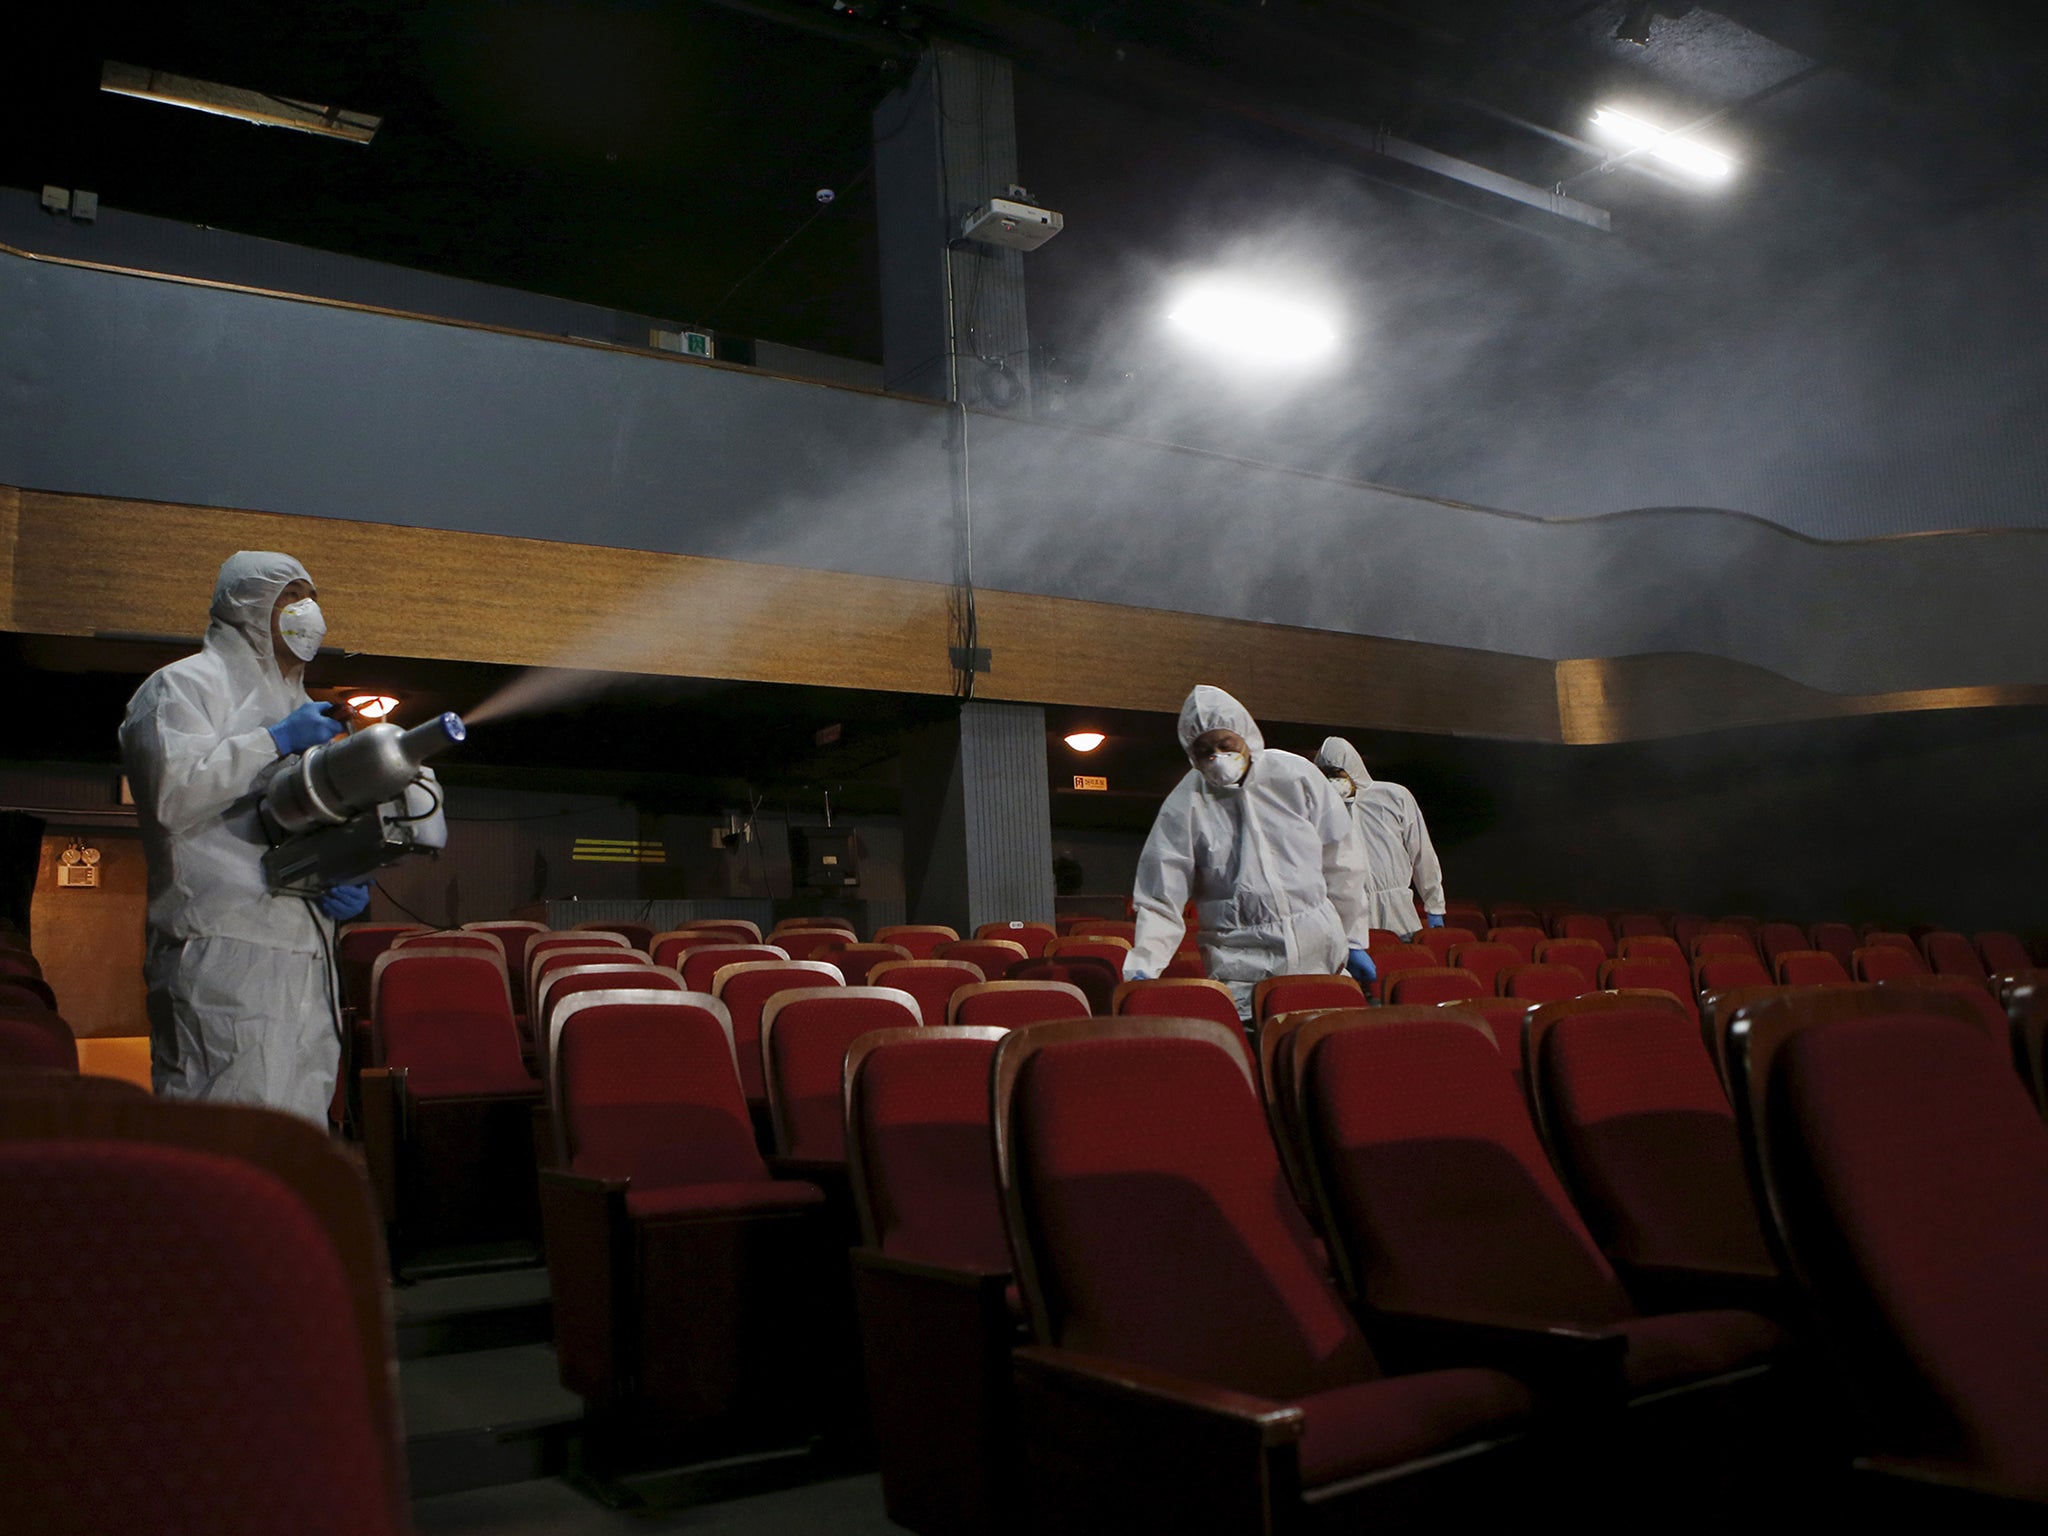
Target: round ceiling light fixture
(1085,741)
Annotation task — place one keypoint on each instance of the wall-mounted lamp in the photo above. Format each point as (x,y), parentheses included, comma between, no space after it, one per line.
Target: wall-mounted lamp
(1085,741)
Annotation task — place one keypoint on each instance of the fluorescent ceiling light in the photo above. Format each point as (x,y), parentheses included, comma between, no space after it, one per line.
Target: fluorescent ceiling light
(259,107)
(1249,322)
(1086,741)
(1635,133)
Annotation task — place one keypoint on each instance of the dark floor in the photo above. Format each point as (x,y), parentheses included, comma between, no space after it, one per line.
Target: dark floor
(493,1439)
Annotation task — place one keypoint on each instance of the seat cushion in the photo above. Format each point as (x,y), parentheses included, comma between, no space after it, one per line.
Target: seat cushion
(729,1199)
(1377,1424)
(1688,1346)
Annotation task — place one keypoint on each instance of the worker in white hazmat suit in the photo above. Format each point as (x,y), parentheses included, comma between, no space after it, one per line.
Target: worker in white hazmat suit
(1393,843)
(242,1005)
(1260,841)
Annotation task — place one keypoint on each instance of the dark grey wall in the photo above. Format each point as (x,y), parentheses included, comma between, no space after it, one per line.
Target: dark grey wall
(1939,818)
(154,390)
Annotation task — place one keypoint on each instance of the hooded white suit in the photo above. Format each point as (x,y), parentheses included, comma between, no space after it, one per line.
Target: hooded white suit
(1269,863)
(1393,844)
(241,994)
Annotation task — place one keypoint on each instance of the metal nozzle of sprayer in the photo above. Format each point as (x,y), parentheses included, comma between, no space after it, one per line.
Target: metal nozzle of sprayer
(354,804)
(353,774)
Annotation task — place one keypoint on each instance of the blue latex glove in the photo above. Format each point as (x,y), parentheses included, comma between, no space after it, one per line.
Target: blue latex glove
(1139,976)
(306,726)
(1432,919)
(346,901)
(1360,965)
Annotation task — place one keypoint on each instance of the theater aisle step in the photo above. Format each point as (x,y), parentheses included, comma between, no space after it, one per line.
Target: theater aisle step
(483,1401)
(846,1506)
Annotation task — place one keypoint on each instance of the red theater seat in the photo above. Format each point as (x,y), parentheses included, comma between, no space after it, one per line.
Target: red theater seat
(1908,1177)
(1175,998)
(638,936)
(1950,954)
(810,943)
(1090,946)
(1721,942)
(1632,1110)
(1111,927)
(1875,937)
(1290,994)
(1468,915)
(745,988)
(1522,938)
(921,939)
(1662,975)
(992,956)
(1439,1204)
(700,966)
(805,1035)
(1649,947)
(1639,925)
(1717,973)
(1137,1403)
(448,1116)
(1837,939)
(856,962)
(1810,968)
(1886,962)
(1096,978)
(1587,926)
(2003,954)
(670,948)
(1033,936)
(932,1279)
(931,982)
(1541,983)
(1390,960)
(1582,955)
(1516,917)
(248,1298)
(566,981)
(738,929)
(1775,939)
(1991,1016)
(1014,1004)
(1433,984)
(2027,1005)
(687,1283)
(356,948)
(515,934)
(1441,941)
(1487,961)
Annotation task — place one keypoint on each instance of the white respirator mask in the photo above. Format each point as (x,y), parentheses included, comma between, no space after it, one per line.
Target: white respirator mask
(1344,786)
(303,627)
(1225,769)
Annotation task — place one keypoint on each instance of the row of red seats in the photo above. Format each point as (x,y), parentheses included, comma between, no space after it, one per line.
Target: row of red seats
(1951,953)
(1370,1106)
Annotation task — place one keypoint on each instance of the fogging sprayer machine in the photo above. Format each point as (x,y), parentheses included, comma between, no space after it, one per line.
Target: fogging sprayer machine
(346,808)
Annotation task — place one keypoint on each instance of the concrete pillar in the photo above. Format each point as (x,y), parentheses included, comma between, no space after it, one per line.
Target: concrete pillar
(952,310)
(977,819)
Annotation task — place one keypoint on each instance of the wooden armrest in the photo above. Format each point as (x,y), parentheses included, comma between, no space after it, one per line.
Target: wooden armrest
(1580,1365)
(1138,1387)
(997,1280)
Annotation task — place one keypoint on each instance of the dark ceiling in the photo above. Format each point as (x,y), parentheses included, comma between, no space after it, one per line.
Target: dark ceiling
(664,156)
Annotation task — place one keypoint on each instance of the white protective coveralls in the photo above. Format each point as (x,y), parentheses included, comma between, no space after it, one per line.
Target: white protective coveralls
(1393,844)
(1269,862)
(242,1005)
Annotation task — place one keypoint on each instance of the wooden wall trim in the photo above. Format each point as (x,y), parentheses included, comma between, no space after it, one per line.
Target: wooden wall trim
(85,565)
